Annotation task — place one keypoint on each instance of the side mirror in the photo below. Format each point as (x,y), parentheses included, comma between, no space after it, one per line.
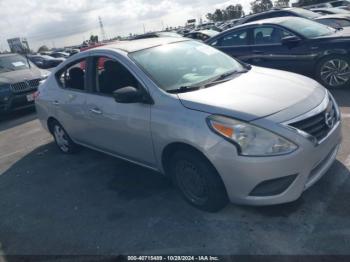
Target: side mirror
(128,94)
(290,40)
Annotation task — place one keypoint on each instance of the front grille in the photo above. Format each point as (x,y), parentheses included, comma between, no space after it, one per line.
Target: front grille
(320,124)
(22,87)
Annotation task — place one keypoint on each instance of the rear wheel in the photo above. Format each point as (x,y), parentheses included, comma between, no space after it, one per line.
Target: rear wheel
(62,139)
(334,72)
(198,181)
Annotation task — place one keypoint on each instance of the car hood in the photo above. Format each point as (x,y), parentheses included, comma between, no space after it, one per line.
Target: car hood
(340,34)
(20,75)
(261,92)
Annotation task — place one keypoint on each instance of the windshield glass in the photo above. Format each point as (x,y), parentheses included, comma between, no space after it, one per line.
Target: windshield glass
(186,63)
(13,63)
(305,13)
(307,28)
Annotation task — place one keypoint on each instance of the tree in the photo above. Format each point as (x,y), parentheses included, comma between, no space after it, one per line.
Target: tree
(94,39)
(43,48)
(230,12)
(259,6)
(233,12)
(282,3)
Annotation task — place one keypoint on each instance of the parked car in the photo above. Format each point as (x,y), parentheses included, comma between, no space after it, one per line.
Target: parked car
(219,128)
(156,34)
(331,4)
(345,4)
(335,21)
(19,80)
(60,54)
(293,11)
(293,44)
(201,35)
(330,11)
(45,61)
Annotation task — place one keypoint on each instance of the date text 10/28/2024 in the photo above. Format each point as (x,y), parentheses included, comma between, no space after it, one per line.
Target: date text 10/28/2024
(173,258)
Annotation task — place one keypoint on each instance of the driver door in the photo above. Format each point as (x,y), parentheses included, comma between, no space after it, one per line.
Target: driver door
(116,128)
(269,51)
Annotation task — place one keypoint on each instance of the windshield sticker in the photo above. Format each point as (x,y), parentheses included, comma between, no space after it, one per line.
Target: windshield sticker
(206,50)
(17,64)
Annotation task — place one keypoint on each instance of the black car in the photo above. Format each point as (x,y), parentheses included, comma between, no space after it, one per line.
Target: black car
(45,61)
(293,44)
(59,55)
(330,11)
(293,11)
(201,35)
(335,21)
(19,79)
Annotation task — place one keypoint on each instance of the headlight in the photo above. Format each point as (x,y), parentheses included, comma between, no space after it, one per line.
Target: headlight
(250,140)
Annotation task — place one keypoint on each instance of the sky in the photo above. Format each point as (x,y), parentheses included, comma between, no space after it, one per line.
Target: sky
(58,23)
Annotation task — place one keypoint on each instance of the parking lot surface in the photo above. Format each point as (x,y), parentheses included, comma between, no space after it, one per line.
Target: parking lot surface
(91,203)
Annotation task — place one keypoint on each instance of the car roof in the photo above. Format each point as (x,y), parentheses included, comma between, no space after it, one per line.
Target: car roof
(339,16)
(275,20)
(141,44)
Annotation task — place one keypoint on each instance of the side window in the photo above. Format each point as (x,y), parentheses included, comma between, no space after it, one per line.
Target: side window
(269,35)
(233,39)
(111,76)
(73,76)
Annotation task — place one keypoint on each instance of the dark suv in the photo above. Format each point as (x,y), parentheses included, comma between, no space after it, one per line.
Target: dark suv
(19,80)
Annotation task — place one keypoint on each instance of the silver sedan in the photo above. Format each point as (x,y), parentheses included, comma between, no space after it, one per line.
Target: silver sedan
(220,129)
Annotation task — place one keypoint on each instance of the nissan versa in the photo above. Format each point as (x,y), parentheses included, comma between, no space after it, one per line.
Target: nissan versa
(222,130)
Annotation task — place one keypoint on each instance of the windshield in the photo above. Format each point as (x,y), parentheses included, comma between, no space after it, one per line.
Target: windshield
(307,28)
(13,63)
(305,13)
(186,63)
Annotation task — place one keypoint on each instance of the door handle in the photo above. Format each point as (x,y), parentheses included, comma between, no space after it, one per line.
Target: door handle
(96,111)
(55,102)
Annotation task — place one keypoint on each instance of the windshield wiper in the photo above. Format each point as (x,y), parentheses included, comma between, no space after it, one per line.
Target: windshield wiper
(184,89)
(213,81)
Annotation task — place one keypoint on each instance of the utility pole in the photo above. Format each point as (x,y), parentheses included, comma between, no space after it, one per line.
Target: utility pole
(103,33)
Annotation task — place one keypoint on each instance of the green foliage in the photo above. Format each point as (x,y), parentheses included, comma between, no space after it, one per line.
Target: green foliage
(281,3)
(259,6)
(230,12)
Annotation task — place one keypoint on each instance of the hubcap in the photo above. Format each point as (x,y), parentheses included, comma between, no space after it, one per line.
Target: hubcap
(61,138)
(335,72)
(191,182)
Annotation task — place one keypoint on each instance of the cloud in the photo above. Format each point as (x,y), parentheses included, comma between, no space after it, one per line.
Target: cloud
(66,22)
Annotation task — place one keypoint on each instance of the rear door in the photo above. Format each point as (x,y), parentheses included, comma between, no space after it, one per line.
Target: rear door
(234,43)
(70,98)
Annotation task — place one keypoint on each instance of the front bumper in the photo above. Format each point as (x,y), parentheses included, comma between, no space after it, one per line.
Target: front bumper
(16,102)
(241,175)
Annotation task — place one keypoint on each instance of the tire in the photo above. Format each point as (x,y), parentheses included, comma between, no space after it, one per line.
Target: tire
(62,139)
(334,71)
(198,181)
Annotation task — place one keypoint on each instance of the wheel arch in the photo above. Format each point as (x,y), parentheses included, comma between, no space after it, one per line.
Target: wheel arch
(170,149)
(50,121)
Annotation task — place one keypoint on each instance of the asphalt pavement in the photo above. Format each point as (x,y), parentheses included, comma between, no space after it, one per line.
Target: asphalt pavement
(94,204)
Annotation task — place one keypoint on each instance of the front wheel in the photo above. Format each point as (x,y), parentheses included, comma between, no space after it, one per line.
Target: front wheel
(198,181)
(334,72)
